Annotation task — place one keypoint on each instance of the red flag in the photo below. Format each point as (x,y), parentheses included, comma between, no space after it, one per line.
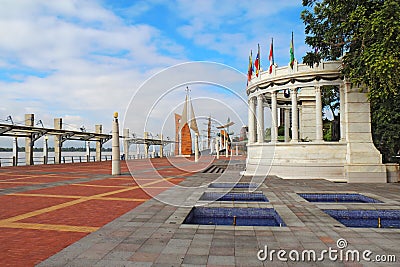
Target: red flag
(271,56)
(250,70)
(257,61)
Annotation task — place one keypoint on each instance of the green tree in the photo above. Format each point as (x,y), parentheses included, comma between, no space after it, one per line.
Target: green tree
(365,35)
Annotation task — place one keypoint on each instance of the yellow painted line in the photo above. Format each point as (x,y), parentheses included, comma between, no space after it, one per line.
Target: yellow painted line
(21,183)
(123,199)
(105,186)
(69,196)
(43,195)
(66,204)
(158,187)
(54,227)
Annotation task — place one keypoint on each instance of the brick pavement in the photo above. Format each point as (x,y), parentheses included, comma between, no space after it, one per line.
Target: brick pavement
(45,208)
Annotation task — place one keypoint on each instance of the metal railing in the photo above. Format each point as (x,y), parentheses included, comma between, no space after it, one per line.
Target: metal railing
(10,161)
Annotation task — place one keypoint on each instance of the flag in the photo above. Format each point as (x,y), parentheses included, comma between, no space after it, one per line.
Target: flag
(250,70)
(271,56)
(257,61)
(291,53)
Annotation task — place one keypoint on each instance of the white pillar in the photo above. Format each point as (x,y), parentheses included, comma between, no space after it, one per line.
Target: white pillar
(274,123)
(252,122)
(287,124)
(15,151)
(217,147)
(116,164)
(196,147)
(29,143)
(98,129)
(226,146)
(57,141)
(318,114)
(87,151)
(260,119)
(342,114)
(237,150)
(126,143)
(146,146)
(45,149)
(161,146)
(295,117)
(137,151)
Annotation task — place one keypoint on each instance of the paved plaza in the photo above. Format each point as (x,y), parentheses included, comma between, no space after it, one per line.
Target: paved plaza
(79,215)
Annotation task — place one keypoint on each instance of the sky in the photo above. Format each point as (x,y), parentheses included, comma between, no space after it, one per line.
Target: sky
(81,60)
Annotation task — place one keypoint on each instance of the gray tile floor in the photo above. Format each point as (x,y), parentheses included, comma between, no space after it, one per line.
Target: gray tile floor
(153,234)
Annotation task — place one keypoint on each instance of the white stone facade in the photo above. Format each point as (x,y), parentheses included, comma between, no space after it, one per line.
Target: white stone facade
(305,155)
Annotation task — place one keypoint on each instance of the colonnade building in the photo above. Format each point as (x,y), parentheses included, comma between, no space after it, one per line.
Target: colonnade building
(295,93)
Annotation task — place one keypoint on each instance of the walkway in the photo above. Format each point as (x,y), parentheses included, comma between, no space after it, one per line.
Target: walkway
(37,223)
(45,208)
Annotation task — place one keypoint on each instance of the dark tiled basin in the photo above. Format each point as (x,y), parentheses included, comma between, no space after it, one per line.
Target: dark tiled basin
(234,216)
(367,218)
(233,185)
(337,198)
(242,197)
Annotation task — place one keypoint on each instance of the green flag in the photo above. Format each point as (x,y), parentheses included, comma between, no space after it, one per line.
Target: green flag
(291,53)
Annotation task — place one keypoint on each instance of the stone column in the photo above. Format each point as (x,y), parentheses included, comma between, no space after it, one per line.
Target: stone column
(87,151)
(342,114)
(318,114)
(274,122)
(15,151)
(217,147)
(99,129)
(57,141)
(226,145)
(29,121)
(260,119)
(363,160)
(161,146)
(137,151)
(252,123)
(146,146)
(45,149)
(196,147)
(287,124)
(295,117)
(126,143)
(115,163)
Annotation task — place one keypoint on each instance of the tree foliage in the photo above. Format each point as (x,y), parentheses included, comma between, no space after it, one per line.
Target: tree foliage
(365,35)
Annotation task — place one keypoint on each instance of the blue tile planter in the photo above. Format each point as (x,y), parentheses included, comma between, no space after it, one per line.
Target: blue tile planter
(243,197)
(338,198)
(234,216)
(233,185)
(367,218)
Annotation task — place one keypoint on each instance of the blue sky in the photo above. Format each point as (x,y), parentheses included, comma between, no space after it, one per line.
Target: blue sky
(83,60)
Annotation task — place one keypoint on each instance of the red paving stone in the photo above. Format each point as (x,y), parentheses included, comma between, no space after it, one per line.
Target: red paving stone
(11,206)
(74,190)
(20,246)
(86,213)
(24,247)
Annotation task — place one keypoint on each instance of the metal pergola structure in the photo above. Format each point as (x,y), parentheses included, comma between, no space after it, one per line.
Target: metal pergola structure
(36,132)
